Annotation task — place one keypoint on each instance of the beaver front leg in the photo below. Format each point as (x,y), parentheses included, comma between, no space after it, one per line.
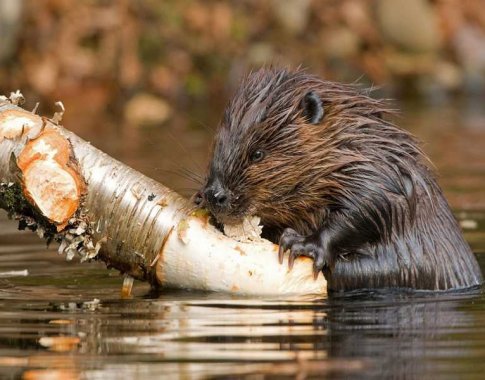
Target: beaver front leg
(344,232)
(315,246)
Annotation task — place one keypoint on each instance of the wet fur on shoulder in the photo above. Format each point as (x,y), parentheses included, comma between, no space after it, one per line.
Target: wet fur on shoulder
(346,167)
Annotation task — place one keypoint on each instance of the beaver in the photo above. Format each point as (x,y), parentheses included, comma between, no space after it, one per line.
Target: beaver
(332,179)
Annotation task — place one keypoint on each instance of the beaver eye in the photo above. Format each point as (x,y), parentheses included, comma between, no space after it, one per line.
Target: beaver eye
(257,155)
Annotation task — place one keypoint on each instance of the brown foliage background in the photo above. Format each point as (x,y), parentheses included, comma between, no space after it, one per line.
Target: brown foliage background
(103,53)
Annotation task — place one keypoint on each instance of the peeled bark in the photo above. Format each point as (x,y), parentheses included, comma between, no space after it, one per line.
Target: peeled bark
(96,207)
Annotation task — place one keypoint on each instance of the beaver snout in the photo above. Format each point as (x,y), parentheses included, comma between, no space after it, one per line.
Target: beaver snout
(216,197)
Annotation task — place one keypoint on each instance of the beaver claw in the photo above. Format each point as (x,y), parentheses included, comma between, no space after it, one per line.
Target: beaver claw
(302,246)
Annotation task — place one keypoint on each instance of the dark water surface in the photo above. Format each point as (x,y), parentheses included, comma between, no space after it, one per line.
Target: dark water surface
(63,320)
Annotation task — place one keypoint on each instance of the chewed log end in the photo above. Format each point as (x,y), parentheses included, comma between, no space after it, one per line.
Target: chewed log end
(49,176)
(50,179)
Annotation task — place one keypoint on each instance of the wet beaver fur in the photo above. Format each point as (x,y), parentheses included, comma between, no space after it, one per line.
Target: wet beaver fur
(335,181)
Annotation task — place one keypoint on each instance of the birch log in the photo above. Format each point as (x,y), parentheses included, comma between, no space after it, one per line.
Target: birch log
(98,208)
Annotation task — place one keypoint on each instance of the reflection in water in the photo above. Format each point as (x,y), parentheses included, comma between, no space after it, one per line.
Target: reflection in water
(405,335)
(357,335)
(68,320)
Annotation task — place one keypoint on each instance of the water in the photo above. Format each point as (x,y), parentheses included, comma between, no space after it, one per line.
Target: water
(68,321)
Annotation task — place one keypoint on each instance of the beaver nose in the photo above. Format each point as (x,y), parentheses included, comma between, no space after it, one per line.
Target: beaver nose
(216,195)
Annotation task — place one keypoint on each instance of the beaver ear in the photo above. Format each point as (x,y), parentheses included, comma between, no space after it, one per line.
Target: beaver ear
(312,107)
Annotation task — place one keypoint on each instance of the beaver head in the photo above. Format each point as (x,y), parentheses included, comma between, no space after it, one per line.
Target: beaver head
(286,147)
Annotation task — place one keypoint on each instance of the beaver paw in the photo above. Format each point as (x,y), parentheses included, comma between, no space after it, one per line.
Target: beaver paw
(303,246)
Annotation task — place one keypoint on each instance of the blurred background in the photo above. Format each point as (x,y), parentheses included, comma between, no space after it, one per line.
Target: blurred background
(147,80)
